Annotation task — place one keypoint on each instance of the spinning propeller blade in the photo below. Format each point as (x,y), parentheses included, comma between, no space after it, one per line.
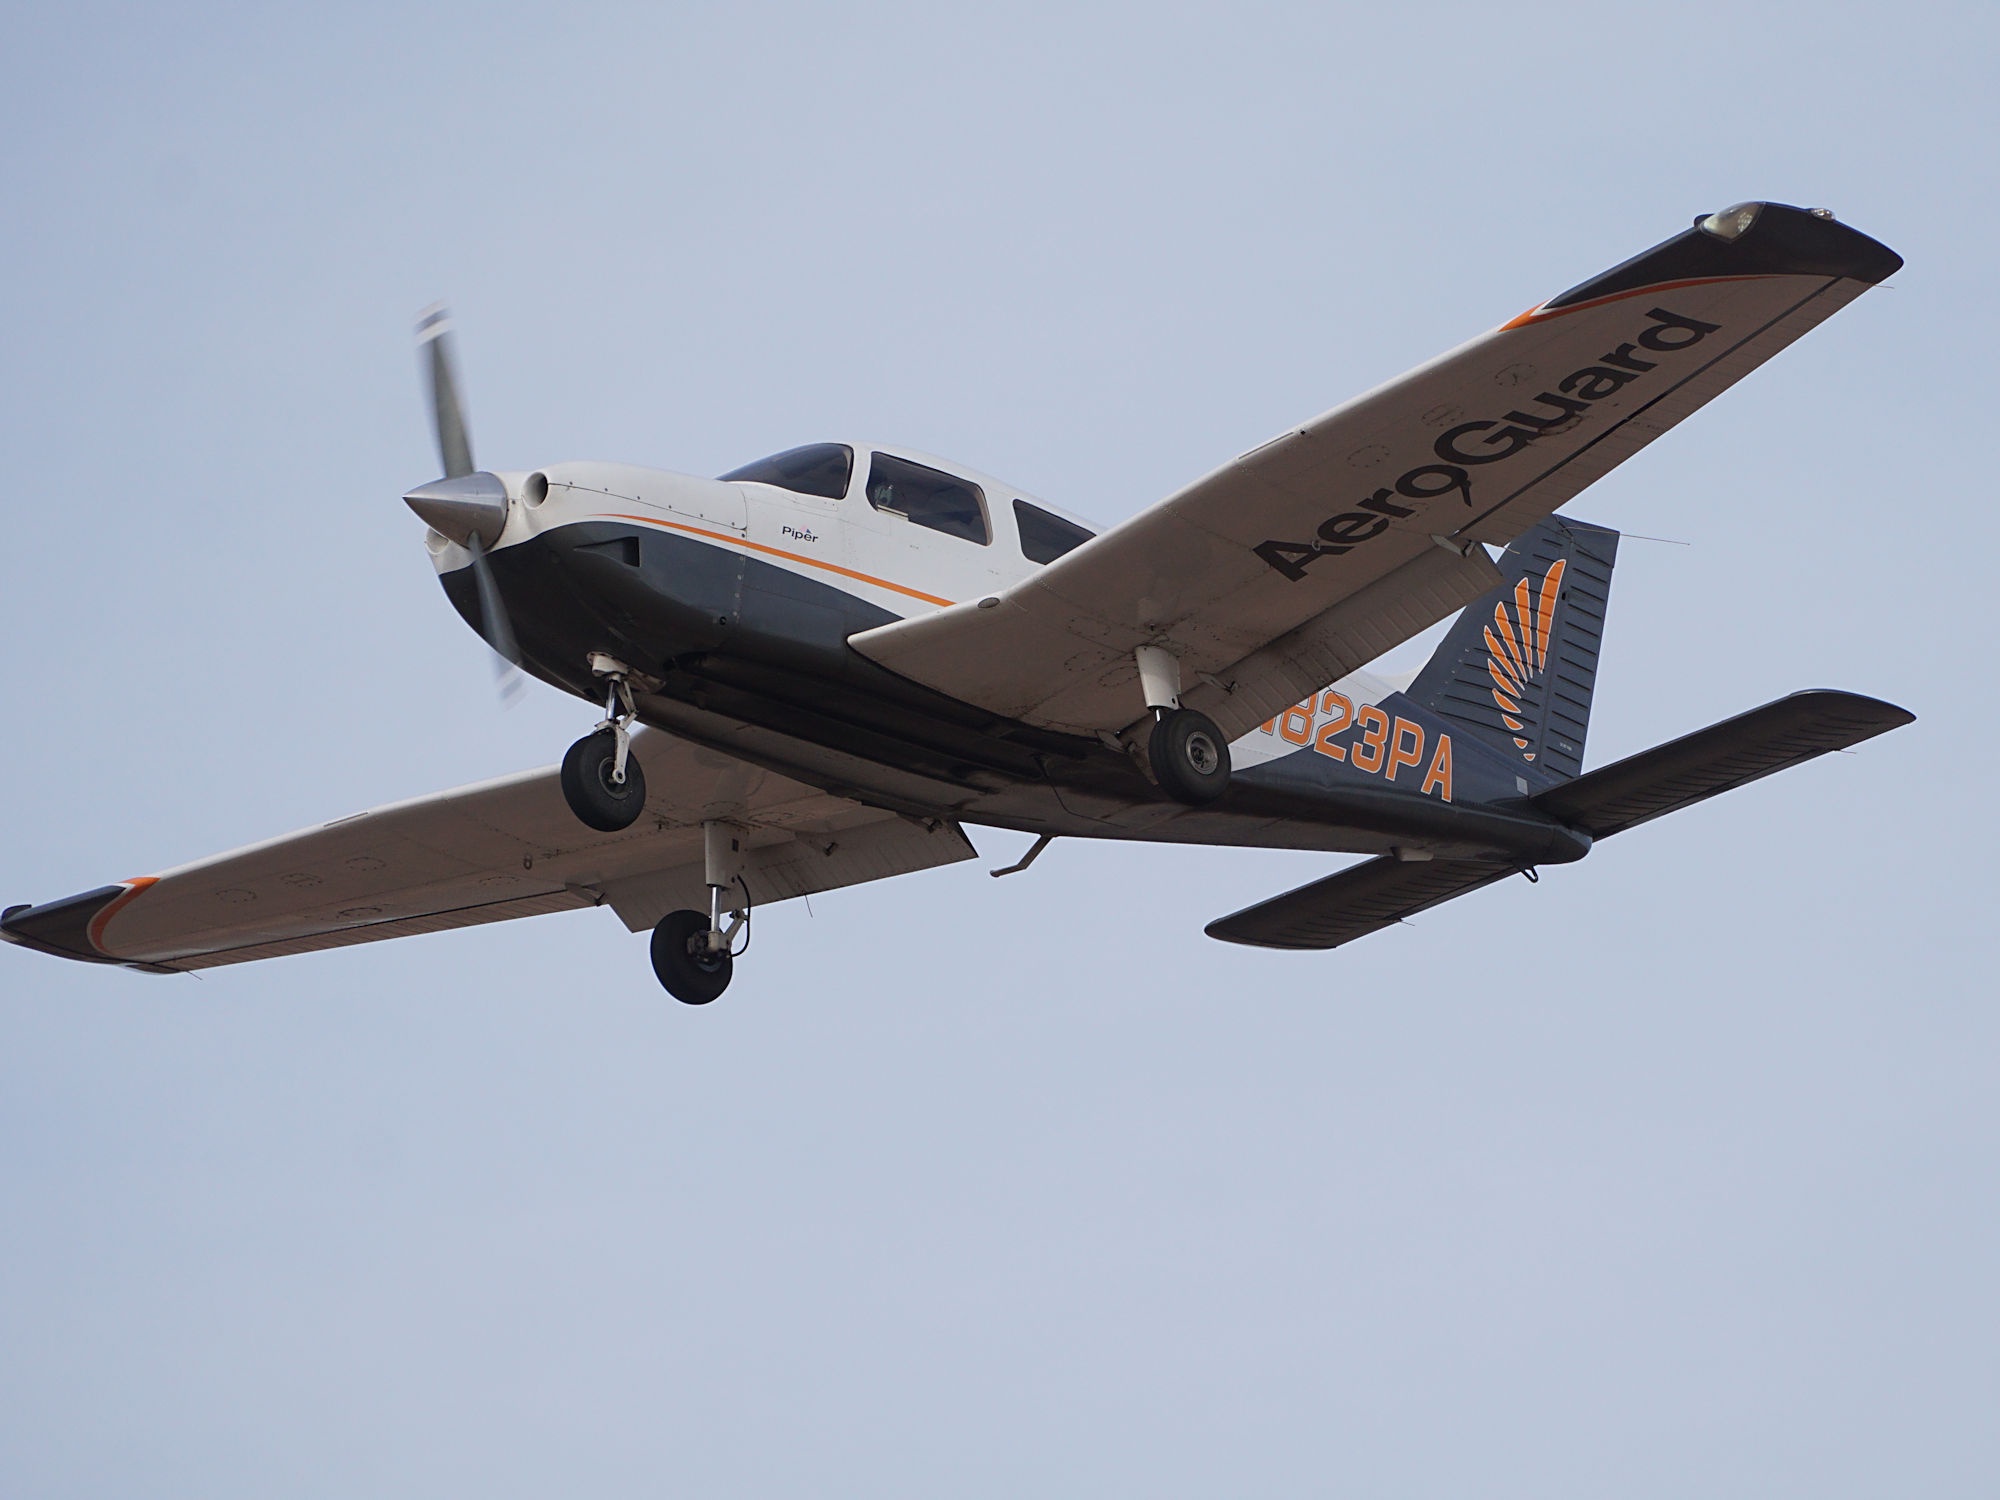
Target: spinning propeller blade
(467,506)
(438,350)
(495,626)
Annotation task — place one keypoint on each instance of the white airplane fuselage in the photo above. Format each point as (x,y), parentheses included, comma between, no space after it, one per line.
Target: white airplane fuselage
(733,602)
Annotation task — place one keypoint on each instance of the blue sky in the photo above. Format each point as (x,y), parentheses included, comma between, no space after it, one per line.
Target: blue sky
(1671,1174)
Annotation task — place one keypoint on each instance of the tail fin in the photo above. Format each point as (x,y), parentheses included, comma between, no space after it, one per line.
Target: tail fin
(1519,665)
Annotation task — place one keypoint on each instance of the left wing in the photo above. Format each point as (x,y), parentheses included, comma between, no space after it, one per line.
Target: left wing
(487,853)
(1309,556)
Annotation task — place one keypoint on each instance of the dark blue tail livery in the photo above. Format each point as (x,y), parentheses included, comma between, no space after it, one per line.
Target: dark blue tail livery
(1518,666)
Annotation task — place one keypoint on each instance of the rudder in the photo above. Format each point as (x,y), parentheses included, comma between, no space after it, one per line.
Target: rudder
(1518,666)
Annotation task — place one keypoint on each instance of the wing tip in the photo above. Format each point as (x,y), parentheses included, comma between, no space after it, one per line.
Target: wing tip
(1780,241)
(71,926)
(62,928)
(1877,714)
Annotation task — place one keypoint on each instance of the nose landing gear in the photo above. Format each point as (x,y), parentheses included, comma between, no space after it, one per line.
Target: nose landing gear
(603,785)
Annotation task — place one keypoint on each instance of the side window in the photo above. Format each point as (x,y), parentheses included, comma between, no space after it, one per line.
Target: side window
(929,497)
(1044,537)
(820,469)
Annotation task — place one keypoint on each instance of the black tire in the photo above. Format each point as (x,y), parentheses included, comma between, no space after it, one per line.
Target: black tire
(690,979)
(597,800)
(1190,756)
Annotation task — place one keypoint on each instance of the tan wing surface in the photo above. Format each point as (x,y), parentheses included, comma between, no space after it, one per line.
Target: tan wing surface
(1340,538)
(507,848)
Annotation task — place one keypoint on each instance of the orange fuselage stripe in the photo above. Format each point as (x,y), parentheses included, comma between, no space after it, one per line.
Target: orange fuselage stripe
(797,557)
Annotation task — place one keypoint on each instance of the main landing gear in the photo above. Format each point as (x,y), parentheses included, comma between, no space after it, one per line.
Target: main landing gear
(687,959)
(1189,755)
(1188,752)
(694,955)
(603,785)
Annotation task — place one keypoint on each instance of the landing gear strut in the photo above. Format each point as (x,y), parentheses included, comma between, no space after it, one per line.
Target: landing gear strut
(694,955)
(1188,752)
(603,785)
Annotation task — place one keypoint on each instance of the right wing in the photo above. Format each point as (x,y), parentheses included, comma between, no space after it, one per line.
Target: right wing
(507,848)
(1338,539)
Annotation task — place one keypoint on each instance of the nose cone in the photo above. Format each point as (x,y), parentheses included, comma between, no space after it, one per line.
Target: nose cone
(471,504)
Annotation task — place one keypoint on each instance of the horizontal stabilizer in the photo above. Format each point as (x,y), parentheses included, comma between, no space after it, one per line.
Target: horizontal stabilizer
(1730,754)
(1361,899)
(1368,897)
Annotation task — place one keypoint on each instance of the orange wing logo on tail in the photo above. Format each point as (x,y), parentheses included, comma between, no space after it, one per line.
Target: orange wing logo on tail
(1517,646)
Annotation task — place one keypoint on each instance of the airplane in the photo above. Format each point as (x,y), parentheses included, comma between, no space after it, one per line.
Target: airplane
(818,669)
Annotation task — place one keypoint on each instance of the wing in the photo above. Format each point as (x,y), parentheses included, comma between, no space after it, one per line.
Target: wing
(508,848)
(1309,556)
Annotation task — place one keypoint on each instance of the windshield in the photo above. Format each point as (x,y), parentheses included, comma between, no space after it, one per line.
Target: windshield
(817,469)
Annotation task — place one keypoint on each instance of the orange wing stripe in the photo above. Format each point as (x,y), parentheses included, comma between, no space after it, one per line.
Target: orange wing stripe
(1541,314)
(133,887)
(797,557)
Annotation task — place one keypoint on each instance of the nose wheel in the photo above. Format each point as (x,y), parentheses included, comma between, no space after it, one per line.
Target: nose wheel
(604,786)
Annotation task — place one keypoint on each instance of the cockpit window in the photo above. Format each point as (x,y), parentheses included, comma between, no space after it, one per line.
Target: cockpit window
(1044,537)
(817,469)
(943,502)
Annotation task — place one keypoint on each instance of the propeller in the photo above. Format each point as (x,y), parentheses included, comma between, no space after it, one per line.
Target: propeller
(468,506)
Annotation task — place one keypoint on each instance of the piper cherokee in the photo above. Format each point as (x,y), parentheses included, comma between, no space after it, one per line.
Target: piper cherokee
(815,670)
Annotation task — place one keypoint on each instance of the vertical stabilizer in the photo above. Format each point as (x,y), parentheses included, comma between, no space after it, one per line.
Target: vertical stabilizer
(1518,666)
